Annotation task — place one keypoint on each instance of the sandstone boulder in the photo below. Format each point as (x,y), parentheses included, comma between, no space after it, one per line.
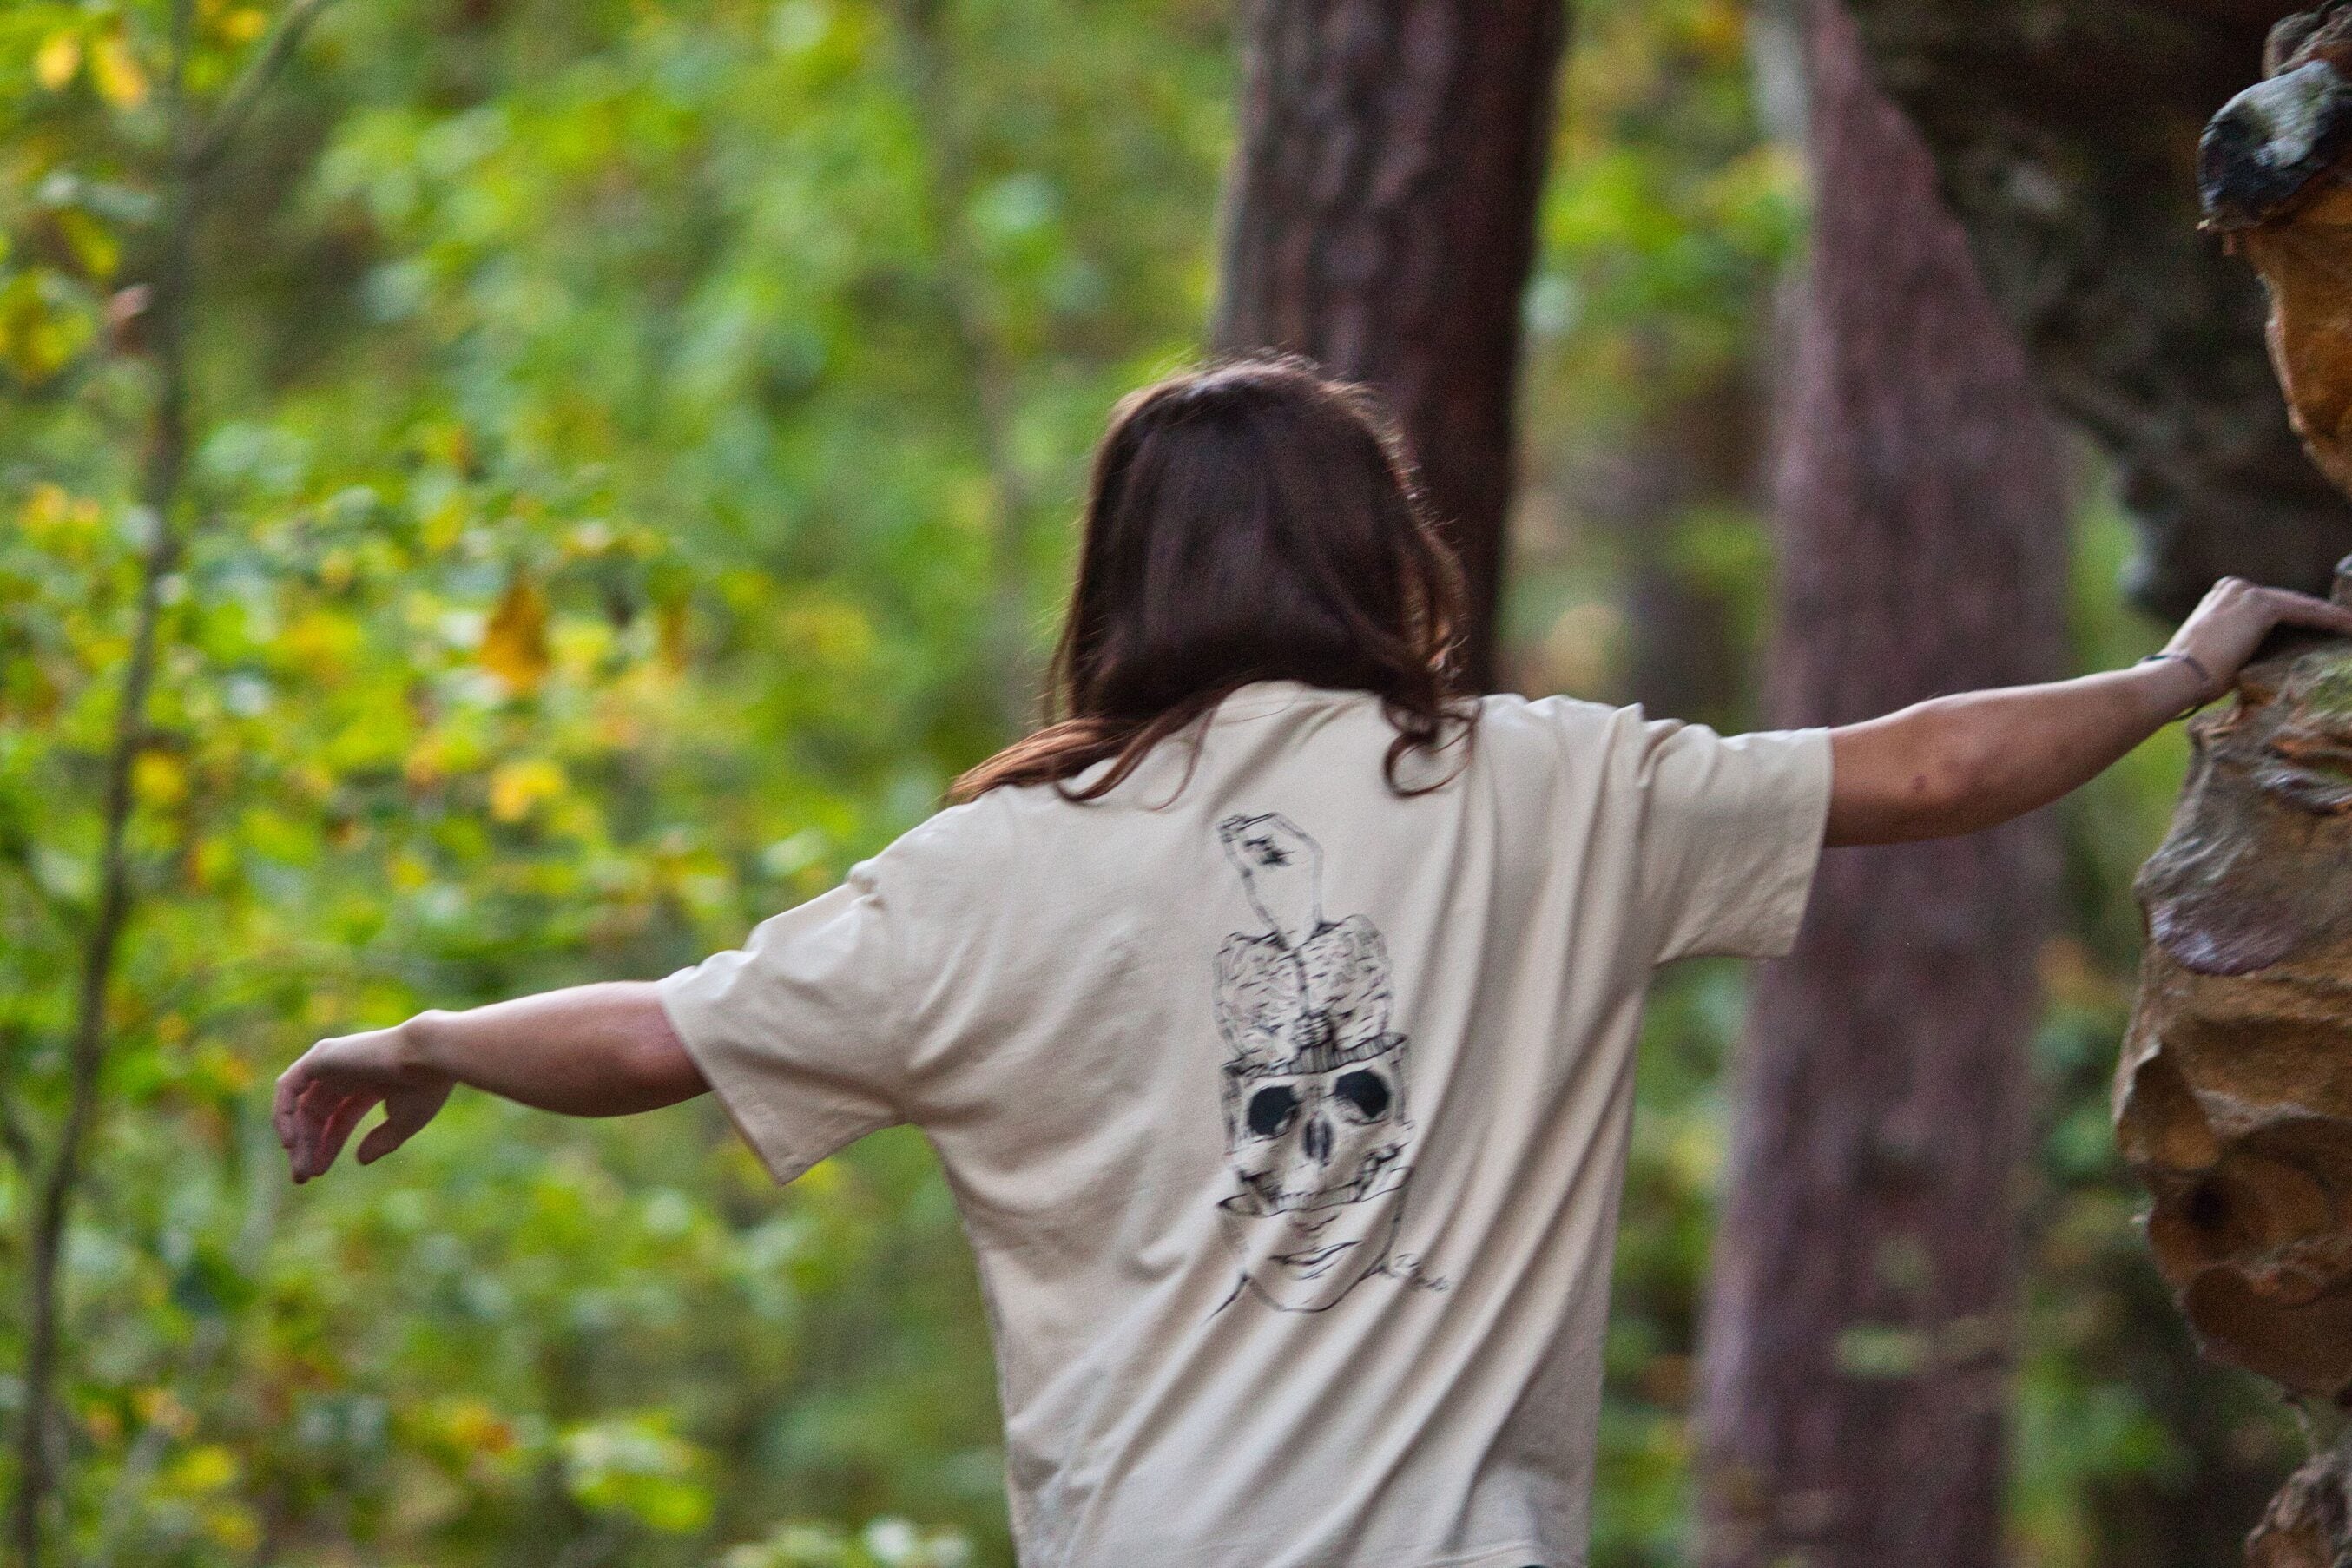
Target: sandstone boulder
(2233,1097)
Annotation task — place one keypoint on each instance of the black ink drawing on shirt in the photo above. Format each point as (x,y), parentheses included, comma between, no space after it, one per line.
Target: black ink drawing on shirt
(1314,1081)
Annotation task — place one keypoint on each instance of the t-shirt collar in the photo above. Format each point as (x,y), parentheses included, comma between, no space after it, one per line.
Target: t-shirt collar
(1264,698)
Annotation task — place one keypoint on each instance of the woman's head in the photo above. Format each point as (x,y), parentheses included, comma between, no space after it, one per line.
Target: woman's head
(1248,521)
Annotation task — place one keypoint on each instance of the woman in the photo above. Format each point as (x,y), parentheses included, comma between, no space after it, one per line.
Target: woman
(1273,1012)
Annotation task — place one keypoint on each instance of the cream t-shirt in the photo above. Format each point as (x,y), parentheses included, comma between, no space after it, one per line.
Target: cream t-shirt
(1287,1116)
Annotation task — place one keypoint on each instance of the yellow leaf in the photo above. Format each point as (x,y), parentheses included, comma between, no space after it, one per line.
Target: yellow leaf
(211,861)
(228,1073)
(234,1526)
(57,60)
(676,651)
(822,1180)
(206,1468)
(514,646)
(321,643)
(445,524)
(48,512)
(242,25)
(474,1426)
(835,631)
(425,766)
(97,250)
(517,787)
(116,70)
(158,779)
(38,339)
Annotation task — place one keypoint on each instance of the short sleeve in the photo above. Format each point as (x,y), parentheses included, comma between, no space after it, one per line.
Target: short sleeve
(798,1030)
(1731,836)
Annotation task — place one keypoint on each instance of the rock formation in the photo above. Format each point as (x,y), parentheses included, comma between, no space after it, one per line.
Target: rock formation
(2233,1098)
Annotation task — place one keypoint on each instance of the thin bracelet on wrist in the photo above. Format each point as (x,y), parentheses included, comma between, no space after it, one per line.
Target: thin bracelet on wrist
(2203,674)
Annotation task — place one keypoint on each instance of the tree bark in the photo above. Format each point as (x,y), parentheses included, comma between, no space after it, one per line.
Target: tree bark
(1856,1345)
(1697,448)
(2066,134)
(1380,220)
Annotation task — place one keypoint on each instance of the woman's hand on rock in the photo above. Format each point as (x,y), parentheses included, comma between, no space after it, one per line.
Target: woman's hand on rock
(2222,633)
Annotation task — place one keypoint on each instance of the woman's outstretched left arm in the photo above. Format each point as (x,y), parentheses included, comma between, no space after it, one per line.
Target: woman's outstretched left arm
(591,1050)
(1959,763)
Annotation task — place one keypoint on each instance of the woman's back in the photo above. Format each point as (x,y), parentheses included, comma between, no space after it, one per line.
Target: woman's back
(1286,1112)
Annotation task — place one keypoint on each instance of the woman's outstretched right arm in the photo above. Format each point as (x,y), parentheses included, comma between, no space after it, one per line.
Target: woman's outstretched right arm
(591,1050)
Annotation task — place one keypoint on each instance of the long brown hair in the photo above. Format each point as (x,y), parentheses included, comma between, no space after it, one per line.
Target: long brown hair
(1252,520)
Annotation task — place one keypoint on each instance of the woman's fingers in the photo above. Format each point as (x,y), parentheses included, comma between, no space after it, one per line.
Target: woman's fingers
(297,1148)
(290,1085)
(323,1098)
(337,1130)
(402,1117)
(316,1105)
(2228,629)
(2319,615)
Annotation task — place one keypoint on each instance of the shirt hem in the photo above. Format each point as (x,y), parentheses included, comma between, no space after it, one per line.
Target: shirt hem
(1520,1556)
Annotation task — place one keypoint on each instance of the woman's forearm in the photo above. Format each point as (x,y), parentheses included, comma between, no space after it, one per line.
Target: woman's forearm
(1957,765)
(594,1051)
(1960,763)
(591,1050)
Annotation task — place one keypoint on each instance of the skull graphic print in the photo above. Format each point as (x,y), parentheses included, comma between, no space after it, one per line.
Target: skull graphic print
(1314,1081)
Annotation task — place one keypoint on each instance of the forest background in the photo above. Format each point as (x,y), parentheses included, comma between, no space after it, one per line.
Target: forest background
(632,454)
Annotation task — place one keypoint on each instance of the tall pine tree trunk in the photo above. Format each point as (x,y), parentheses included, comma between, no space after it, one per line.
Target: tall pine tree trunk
(1856,1340)
(1380,220)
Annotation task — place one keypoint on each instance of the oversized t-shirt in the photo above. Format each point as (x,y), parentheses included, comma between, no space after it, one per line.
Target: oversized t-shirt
(1286,1115)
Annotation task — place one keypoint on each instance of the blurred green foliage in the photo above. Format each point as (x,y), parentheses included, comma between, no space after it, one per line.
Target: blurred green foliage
(635,447)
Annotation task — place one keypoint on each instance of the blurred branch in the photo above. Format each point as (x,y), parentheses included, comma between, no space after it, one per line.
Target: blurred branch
(238,105)
(14,1138)
(161,486)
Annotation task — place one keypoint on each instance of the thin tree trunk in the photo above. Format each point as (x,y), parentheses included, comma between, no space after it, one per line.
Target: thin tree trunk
(158,499)
(1855,1347)
(1696,449)
(193,148)
(1380,220)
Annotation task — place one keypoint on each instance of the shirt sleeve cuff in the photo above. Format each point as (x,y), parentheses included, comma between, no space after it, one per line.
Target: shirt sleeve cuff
(787,1145)
(1785,878)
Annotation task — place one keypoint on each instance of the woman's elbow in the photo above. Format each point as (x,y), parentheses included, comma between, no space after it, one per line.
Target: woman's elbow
(652,1067)
(1927,773)
(1956,782)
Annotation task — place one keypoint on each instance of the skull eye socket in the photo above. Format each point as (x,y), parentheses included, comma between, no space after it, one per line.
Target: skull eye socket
(1272,1111)
(1364,1093)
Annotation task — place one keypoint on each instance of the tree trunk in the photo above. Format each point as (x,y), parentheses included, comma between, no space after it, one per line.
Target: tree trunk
(1380,220)
(1696,449)
(2066,132)
(1857,1330)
